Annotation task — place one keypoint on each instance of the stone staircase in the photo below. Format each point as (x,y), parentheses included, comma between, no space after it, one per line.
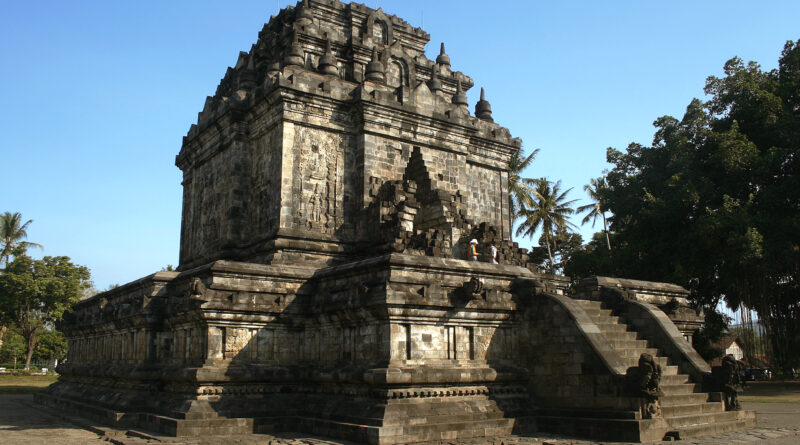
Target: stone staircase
(688,411)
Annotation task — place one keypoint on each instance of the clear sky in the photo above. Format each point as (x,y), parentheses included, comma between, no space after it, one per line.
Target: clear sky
(96,96)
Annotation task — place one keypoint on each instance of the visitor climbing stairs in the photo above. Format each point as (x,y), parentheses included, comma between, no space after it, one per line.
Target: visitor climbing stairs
(688,411)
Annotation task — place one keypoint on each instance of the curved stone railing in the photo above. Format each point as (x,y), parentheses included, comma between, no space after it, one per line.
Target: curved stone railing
(576,366)
(642,305)
(591,332)
(657,327)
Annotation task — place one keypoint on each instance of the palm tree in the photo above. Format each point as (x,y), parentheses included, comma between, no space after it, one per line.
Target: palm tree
(598,207)
(520,190)
(549,210)
(12,234)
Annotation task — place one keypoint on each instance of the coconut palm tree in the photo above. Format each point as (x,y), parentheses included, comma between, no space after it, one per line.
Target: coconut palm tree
(520,190)
(12,234)
(549,210)
(598,207)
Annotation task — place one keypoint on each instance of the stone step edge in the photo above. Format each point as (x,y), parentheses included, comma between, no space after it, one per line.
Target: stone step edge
(105,432)
(627,429)
(704,418)
(707,429)
(713,407)
(578,413)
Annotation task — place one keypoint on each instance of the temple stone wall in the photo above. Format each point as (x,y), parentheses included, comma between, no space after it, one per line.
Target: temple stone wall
(231,197)
(299,126)
(265,181)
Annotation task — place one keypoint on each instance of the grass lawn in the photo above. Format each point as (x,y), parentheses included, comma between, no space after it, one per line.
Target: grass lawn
(772,392)
(24,384)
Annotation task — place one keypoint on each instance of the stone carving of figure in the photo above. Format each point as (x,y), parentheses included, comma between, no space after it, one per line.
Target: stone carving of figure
(314,204)
(731,382)
(644,382)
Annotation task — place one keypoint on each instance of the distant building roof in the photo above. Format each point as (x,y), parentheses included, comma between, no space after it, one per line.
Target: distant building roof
(726,342)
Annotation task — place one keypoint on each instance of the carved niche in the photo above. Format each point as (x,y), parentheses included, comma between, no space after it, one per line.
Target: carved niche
(378,29)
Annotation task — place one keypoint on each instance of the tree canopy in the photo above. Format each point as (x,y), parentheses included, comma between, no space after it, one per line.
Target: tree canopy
(35,293)
(548,209)
(12,235)
(520,190)
(598,207)
(715,200)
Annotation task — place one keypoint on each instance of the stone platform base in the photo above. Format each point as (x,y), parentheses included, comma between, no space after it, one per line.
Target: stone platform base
(405,421)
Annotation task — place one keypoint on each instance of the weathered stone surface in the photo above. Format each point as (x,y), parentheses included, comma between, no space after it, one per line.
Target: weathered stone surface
(331,186)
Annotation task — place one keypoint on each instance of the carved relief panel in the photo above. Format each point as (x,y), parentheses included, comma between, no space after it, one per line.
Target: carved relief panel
(318,180)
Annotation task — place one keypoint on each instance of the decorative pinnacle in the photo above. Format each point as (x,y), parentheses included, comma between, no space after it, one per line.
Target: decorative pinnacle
(247,78)
(374,71)
(327,63)
(295,55)
(273,68)
(459,98)
(483,110)
(304,15)
(434,84)
(442,58)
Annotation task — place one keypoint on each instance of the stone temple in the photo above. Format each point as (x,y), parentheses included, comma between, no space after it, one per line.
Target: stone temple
(330,189)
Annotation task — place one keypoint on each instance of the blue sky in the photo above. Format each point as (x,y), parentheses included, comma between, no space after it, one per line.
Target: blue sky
(96,96)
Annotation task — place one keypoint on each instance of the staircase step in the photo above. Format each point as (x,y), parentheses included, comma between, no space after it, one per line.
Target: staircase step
(448,431)
(669,370)
(627,430)
(598,312)
(583,413)
(628,344)
(732,421)
(711,429)
(636,352)
(620,335)
(612,327)
(677,379)
(692,409)
(679,422)
(680,388)
(607,319)
(592,304)
(631,357)
(683,399)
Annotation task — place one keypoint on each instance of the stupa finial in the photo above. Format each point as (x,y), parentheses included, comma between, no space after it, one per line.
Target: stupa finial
(483,110)
(459,98)
(374,71)
(327,63)
(304,15)
(442,58)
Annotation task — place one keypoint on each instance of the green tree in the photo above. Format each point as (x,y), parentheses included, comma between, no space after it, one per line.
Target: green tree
(715,200)
(598,207)
(37,292)
(591,259)
(520,190)
(13,349)
(52,345)
(565,245)
(550,210)
(12,235)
